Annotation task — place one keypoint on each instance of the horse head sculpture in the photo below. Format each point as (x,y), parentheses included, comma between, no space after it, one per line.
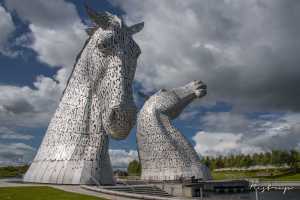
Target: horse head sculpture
(96,103)
(165,154)
(112,61)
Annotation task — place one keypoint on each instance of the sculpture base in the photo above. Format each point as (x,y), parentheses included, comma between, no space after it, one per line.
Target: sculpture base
(198,171)
(68,172)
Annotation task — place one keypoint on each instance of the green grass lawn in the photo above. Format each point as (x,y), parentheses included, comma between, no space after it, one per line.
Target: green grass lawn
(286,177)
(277,174)
(40,193)
(229,175)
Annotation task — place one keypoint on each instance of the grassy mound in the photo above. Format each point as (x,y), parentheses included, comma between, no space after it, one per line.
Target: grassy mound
(274,174)
(12,171)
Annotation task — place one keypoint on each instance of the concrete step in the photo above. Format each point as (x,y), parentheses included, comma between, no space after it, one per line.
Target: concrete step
(149,193)
(145,190)
(130,193)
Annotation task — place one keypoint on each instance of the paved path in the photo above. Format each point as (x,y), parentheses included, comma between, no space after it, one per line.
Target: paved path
(67,188)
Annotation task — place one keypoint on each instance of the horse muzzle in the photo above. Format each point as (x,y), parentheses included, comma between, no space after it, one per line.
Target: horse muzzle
(120,121)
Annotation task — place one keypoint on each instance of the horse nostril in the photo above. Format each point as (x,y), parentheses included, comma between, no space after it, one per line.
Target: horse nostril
(114,114)
(203,86)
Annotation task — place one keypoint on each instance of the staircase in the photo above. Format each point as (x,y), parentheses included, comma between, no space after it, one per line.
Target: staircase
(140,189)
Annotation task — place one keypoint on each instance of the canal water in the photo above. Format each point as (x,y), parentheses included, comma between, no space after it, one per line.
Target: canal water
(266,195)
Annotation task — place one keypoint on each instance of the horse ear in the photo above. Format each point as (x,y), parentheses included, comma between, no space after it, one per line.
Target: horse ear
(135,28)
(102,19)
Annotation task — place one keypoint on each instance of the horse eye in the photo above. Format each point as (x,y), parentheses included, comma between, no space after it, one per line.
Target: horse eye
(105,47)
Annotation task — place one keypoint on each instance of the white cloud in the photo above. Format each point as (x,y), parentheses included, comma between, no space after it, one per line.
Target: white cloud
(29,107)
(7,27)
(57,32)
(8,134)
(20,153)
(56,35)
(15,153)
(208,143)
(244,50)
(247,135)
(120,158)
(225,122)
(188,115)
(58,47)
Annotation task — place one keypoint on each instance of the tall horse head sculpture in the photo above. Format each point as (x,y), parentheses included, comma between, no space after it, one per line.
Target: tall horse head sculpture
(97,103)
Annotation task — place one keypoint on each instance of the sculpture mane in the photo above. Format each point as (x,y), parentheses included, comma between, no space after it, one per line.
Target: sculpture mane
(96,103)
(165,154)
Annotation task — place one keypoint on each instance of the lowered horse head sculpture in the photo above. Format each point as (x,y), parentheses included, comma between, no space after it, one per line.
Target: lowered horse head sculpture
(96,103)
(165,154)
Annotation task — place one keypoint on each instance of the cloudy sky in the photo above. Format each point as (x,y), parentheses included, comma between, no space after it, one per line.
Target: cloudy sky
(248,53)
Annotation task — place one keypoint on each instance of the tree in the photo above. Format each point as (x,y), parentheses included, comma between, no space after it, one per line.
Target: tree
(267,158)
(206,161)
(134,168)
(220,162)
(293,160)
(275,157)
